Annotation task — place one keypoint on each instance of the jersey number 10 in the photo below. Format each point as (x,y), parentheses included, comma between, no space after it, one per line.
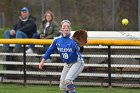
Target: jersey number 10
(65,55)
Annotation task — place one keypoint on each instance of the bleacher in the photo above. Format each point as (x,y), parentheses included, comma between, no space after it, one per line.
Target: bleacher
(125,65)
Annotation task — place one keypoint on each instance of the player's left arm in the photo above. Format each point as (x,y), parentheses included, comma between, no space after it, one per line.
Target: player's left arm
(80,37)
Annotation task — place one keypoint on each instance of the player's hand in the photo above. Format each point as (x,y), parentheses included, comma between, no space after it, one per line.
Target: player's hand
(41,64)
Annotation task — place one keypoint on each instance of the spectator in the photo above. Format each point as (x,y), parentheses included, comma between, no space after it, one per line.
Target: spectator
(24,28)
(49,29)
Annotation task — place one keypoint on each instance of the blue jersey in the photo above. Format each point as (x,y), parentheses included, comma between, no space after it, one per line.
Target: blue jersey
(66,47)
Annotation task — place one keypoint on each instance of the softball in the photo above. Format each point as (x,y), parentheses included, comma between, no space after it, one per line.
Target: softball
(125,22)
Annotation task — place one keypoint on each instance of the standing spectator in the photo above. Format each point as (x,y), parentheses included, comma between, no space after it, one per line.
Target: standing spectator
(49,29)
(24,28)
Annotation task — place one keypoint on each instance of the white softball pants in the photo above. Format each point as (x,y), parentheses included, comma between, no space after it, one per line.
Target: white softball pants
(70,72)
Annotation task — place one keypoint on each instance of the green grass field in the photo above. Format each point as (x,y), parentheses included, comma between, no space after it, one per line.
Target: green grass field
(13,88)
(2,31)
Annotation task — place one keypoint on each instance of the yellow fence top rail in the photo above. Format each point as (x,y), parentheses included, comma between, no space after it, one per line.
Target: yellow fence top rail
(90,42)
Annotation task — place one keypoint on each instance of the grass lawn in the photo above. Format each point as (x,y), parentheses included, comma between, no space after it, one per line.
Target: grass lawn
(13,88)
(2,31)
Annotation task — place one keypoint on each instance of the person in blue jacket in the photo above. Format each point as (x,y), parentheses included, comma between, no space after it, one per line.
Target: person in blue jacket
(68,47)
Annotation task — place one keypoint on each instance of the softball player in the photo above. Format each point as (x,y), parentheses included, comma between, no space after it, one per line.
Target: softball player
(68,49)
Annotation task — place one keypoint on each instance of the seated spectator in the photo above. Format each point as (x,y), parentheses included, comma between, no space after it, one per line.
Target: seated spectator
(24,28)
(49,29)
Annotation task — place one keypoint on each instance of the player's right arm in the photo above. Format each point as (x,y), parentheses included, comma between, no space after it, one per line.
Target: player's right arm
(51,49)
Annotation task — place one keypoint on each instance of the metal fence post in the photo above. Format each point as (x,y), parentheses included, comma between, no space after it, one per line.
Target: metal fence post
(24,63)
(109,66)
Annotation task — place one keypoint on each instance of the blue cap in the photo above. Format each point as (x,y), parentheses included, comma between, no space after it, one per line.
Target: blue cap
(24,9)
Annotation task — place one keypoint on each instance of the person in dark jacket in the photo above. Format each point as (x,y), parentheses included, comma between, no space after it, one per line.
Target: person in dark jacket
(24,28)
(49,30)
